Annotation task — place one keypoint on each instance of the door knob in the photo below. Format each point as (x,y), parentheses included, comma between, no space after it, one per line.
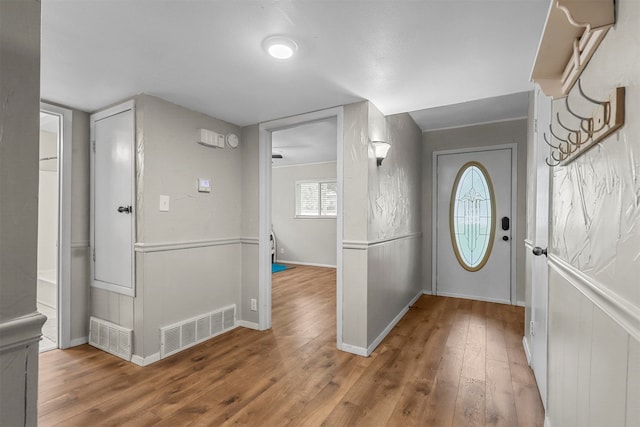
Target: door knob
(537,251)
(125,209)
(505,238)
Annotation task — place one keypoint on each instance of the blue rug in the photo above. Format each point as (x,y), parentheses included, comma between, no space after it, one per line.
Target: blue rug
(275,268)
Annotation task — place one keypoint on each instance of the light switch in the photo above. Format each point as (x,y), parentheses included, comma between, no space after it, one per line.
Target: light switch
(164,203)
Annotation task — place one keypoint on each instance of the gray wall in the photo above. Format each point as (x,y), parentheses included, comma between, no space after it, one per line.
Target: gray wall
(381,223)
(203,274)
(594,289)
(355,218)
(250,220)
(79,306)
(304,240)
(20,324)
(509,132)
(394,213)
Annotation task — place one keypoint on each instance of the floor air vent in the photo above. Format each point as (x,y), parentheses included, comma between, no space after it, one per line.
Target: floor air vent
(182,335)
(110,337)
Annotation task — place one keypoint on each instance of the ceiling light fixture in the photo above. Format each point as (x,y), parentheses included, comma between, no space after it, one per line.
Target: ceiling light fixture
(280,47)
(380,148)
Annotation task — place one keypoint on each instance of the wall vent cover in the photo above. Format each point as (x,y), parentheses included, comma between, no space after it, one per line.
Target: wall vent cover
(189,332)
(110,337)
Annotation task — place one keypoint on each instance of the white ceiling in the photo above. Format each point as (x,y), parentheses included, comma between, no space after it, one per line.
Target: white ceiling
(206,55)
(308,143)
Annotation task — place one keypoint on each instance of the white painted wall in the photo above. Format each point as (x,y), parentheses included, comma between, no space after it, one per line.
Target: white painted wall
(48,205)
(20,324)
(304,240)
(509,132)
(594,291)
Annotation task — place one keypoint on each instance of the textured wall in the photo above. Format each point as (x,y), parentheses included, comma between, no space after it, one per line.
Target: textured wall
(594,289)
(20,325)
(306,240)
(395,191)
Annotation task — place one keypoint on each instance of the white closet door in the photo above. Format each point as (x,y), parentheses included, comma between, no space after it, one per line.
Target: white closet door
(113,200)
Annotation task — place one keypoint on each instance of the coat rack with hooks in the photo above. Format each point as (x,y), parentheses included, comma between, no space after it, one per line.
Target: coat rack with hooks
(573,136)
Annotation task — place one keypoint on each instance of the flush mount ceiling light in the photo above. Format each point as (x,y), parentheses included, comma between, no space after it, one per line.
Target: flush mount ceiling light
(380,148)
(280,47)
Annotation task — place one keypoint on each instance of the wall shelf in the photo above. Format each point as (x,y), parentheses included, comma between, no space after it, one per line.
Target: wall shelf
(572,33)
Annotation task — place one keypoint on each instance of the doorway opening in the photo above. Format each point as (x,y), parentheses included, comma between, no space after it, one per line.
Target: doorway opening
(48,214)
(304,213)
(328,119)
(53,293)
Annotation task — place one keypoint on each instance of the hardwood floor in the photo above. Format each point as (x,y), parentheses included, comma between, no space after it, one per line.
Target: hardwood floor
(449,362)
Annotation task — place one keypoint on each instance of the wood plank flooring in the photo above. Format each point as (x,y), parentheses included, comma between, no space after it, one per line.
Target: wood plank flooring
(449,362)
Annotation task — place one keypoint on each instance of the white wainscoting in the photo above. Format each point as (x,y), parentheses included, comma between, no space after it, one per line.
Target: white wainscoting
(594,352)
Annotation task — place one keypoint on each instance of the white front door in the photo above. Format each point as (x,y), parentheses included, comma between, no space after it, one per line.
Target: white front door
(540,269)
(112,199)
(474,224)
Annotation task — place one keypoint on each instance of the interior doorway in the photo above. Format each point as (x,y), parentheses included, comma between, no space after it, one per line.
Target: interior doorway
(304,194)
(266,151)
(53,293)
(48,216)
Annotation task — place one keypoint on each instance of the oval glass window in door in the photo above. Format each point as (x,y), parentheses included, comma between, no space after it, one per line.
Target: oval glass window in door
(472,216)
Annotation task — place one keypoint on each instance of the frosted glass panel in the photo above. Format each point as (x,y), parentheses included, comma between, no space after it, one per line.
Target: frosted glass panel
(472,216)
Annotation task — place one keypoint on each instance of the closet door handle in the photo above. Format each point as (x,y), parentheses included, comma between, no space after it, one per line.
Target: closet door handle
(125,209)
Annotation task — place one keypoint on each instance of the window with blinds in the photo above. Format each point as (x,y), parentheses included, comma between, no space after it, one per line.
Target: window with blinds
(316,199)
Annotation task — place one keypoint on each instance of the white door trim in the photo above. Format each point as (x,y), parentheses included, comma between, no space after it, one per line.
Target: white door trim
(65,151)
(514,207)
(264,248)
(112,111)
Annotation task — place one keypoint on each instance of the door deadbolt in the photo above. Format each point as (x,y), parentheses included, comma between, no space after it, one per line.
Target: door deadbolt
(125,209)
(505,223)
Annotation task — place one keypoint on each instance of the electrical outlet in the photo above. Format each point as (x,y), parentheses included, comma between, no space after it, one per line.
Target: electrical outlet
(254,304)
(532,328)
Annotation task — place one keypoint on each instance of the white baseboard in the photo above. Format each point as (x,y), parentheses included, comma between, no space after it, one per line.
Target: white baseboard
(78,341)
(248,325)
(527,351)
(427,292)
(360,351)
(521,303)
(452,295)
(310,264)
(145,361)
(393,323)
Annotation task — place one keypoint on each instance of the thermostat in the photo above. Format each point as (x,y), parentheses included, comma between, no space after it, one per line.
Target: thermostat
(204,185)
(232,140)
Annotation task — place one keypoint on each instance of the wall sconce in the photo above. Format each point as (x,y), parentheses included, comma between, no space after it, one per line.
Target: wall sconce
(381,149)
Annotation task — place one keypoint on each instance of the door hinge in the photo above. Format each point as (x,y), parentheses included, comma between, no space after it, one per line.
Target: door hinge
(535,125)
(94,254)
(93,145)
